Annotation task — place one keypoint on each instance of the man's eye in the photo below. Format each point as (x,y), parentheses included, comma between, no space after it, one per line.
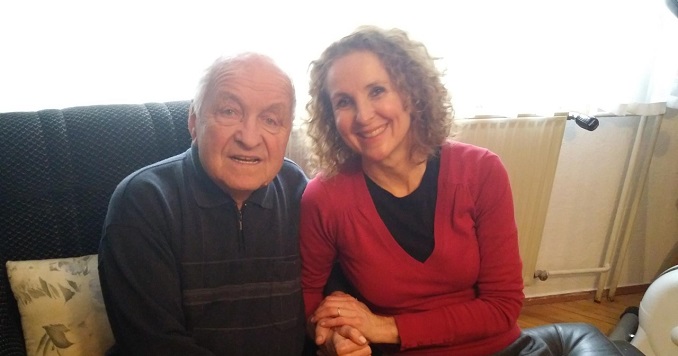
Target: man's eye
(271,123)
(228,116)
(227,112)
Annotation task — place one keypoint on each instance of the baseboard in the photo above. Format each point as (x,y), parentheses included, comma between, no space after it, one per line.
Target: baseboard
(559,298)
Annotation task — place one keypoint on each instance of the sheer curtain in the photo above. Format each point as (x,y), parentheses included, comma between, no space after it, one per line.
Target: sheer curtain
(541,56)
(500,57)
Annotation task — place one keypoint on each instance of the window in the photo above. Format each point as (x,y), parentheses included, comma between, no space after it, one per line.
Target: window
(500,57)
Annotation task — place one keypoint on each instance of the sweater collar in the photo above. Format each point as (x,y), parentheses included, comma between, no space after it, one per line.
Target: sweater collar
(208,194)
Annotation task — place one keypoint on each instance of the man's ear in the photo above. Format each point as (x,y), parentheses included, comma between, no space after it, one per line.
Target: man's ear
(192,118)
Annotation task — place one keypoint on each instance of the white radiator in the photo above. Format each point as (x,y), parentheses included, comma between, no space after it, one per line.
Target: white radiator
(529,148)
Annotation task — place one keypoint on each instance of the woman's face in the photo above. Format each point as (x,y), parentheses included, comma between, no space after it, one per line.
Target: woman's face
(368,110)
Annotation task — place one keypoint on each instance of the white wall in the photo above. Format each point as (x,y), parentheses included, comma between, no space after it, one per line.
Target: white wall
(582,207)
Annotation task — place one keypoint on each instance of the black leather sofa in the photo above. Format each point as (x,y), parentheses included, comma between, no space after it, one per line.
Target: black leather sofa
(58,169)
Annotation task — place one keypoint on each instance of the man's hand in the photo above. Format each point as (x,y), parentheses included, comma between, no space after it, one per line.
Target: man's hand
(340,341)
(340,309)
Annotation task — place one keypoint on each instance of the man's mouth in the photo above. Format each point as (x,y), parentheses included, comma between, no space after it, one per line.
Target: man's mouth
(246,159)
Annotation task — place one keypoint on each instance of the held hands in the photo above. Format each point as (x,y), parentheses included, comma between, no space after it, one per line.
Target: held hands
(339,309)
(342,341)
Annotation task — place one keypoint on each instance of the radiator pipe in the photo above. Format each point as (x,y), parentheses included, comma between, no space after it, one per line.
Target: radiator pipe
(543,275)
(622,209)
(640,185)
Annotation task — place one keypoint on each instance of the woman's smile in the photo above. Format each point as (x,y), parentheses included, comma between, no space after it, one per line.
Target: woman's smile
(373,133)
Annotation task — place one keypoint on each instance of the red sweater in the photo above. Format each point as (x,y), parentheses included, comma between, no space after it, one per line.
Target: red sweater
(466,297)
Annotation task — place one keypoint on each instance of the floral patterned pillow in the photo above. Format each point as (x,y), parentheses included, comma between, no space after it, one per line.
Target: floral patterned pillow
(61,307)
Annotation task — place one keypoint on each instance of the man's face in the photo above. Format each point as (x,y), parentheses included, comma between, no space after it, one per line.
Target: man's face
(244,127)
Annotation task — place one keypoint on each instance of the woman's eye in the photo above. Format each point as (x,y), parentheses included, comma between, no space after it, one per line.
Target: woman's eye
(341,103)
(376,91)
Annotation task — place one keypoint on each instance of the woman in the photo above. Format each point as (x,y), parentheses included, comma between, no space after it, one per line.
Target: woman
(422,227)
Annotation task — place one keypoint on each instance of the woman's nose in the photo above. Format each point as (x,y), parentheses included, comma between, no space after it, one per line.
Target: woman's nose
(364,112)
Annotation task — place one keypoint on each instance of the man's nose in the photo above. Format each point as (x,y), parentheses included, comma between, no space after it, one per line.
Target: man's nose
(249,132)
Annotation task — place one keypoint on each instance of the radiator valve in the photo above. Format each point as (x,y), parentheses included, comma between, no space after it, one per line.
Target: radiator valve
(541,274)
(586,122)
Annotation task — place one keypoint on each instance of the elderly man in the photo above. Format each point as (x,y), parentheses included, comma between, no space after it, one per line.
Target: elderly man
(199,253)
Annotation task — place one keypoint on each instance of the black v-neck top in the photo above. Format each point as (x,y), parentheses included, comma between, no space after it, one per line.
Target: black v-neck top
(410,218)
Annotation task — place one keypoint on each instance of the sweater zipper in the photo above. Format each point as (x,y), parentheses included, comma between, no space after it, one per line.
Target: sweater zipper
(241,233)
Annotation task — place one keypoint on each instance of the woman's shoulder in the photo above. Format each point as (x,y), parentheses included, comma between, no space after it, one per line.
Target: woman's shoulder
(330,194)
(464,161)
(335,189)
(460,147)
(334,184)
(458,151)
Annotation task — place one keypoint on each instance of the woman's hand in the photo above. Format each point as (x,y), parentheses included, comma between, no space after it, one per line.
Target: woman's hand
(339,341)
(340,309)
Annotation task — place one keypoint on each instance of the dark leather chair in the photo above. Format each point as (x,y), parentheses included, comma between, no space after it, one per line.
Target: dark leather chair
(579,339)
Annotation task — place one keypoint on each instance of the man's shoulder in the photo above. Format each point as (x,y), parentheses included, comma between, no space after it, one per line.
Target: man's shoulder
(291,172)
(153,173)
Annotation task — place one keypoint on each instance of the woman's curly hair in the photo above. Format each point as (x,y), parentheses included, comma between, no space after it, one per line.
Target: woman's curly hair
(415,76)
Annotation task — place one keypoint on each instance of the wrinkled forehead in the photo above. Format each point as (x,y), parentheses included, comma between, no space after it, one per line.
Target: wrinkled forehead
(256,74)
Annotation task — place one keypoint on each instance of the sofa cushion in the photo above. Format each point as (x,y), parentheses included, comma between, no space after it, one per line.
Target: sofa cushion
(61,306)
